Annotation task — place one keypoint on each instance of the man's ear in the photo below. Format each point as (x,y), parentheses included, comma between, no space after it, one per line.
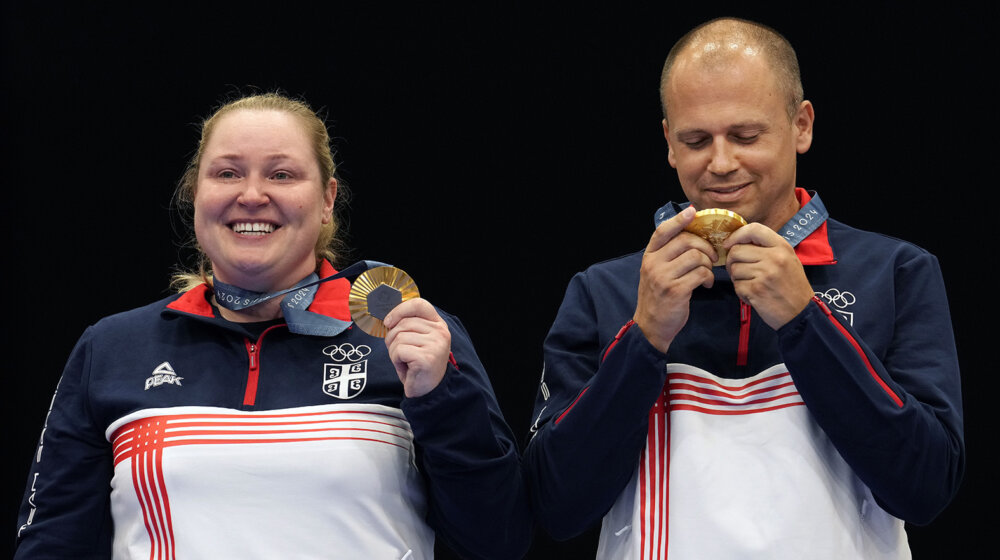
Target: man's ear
(670,146)
(803,123)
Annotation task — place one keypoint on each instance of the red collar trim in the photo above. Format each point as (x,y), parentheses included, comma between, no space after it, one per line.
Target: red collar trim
(331,297)
(330,300)
(194,301)
(814,249)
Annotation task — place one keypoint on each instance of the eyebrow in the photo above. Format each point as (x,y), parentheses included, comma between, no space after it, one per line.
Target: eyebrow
(738,127)
(235,157)
(753,125)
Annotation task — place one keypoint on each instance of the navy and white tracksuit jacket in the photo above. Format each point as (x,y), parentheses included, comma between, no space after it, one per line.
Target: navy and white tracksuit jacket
(176,434)
(814,441)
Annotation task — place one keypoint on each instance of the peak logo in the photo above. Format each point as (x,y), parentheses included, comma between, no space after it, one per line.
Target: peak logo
(163,375)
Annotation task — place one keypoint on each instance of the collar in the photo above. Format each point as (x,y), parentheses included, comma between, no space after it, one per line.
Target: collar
(330,299)
(814,249)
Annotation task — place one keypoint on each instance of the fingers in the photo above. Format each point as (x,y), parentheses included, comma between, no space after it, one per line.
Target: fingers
(412,352)
(753,244)
(674,254)
(756,246)
(754,234)
(416,307)
(669,229)
(767,274)
(419,342)
(666,273)
(674,264)
(669,242)
(415,323)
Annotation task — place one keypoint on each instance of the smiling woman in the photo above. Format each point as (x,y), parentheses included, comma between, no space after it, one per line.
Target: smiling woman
(261,202)
(284,139)
(274,429)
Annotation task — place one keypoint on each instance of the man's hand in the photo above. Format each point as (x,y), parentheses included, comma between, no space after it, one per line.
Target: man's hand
(767,274)
(419,344)
(674,264)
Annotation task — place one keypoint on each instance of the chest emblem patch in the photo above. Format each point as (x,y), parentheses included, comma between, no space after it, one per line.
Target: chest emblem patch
(839,301)
(346,377)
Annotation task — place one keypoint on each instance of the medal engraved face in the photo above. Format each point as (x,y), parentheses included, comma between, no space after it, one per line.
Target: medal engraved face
(714,225)
(382,300)
(375,293)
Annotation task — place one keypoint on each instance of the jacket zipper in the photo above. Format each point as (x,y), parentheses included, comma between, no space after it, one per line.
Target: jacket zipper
(253,374)
(744,347)
(253,351)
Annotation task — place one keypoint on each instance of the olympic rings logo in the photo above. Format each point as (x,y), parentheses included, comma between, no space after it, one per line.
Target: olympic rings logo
(347,351)
(836,298)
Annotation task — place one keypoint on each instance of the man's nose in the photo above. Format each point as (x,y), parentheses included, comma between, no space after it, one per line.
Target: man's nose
(723,160)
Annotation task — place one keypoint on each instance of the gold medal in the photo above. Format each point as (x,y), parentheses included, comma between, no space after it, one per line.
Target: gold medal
(714,225)
(375,293)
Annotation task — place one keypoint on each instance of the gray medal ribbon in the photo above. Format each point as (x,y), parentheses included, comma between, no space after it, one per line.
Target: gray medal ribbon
(294,306)
(807,220)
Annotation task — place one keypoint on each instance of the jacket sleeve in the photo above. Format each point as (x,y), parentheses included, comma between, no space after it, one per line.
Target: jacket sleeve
(895,417)
(591,415)
(467,452)
(66,508)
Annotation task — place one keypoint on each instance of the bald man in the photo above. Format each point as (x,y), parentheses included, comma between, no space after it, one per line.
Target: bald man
(789,392)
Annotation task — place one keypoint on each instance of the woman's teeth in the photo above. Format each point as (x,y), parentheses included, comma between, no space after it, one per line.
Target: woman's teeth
(253,228)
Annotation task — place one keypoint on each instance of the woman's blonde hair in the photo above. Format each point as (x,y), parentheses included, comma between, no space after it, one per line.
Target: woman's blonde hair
(328,245)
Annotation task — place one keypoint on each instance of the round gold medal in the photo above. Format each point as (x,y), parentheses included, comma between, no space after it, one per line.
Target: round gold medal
(375,293)
(714,225)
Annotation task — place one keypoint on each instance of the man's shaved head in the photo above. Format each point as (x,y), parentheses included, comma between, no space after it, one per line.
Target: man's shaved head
(719,42)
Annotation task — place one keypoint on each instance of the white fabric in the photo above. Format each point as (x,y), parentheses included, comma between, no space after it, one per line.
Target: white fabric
(750,476)
(202,482)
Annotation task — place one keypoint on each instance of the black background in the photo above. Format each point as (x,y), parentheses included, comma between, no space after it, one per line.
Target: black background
(492,151)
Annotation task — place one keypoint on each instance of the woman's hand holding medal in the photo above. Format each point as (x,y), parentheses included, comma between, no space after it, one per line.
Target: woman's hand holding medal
(385,302)
(419,344)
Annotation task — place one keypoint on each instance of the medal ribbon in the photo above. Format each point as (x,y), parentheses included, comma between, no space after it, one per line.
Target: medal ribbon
(294,306)
(803,223)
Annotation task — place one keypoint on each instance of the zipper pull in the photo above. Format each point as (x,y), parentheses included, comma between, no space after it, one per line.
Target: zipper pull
(744,347)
